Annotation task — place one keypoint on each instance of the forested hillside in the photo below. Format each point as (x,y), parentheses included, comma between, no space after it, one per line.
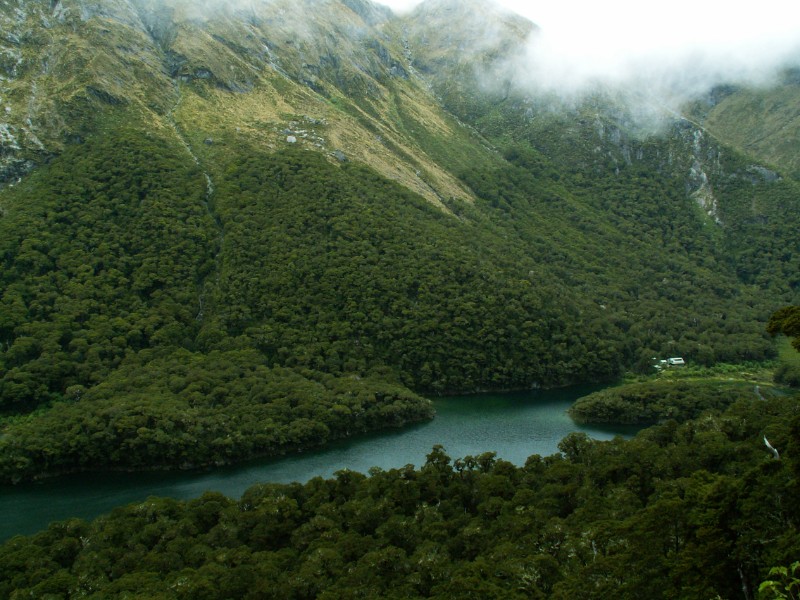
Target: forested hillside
(346,218)
(237,230)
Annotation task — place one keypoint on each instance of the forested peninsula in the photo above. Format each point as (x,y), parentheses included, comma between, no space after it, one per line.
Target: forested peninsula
(651,402)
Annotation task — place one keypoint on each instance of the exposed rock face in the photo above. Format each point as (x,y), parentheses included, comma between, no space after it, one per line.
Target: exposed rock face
(81,53)
(65,64)
(703,194)
(762,174)
(83,57)
(698,183)
(57,61)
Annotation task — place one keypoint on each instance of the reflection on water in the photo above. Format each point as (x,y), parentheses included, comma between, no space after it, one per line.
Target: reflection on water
(514,426)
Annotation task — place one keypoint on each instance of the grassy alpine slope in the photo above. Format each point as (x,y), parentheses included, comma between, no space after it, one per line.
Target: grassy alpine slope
(762,122)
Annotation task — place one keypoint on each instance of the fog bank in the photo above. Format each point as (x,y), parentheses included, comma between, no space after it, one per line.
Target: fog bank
(676,48)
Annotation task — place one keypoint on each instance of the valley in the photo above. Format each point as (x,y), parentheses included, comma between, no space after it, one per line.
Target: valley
(512,425)
(247,231)
(250,192)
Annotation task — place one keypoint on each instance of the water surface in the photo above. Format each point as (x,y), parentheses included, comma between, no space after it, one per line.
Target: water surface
(515,426)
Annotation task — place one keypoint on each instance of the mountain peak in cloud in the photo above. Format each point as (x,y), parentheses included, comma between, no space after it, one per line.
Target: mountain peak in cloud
(695,43)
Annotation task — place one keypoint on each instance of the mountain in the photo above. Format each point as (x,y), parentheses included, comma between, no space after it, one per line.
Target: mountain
(246,73)
(763,121)
(244,229)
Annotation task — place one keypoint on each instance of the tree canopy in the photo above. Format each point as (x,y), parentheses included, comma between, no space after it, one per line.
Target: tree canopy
(787,322)
(694,510)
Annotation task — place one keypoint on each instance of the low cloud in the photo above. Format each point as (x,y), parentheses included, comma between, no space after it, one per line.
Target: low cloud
(678,49)
(673,50)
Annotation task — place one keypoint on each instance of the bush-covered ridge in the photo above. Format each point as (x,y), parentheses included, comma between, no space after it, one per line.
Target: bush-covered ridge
(188,410)
(697,510)
(651,402)
(362,272)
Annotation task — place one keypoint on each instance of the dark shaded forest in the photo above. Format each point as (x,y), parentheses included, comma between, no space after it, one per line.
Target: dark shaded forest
(651,402)
(699,509)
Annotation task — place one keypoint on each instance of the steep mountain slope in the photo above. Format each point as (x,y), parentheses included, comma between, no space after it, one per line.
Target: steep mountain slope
(252,76)
(691,212)
(232,231)
(763,122)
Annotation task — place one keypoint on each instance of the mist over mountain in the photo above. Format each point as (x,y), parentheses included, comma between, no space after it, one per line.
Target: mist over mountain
(680,49)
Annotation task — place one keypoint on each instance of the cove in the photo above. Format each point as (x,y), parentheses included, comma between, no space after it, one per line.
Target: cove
(514,425)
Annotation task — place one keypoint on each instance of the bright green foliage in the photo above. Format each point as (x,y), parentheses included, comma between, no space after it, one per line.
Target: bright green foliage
(696,510)
(783,583)
(786,321)
(788,371)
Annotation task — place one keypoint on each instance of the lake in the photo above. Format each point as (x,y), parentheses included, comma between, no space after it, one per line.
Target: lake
(515,426)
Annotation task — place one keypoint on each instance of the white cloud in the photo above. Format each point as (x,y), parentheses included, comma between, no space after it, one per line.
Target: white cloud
(616,41)
(400,6)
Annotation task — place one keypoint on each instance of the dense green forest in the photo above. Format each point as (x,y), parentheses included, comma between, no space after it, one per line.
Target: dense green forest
(122,256)
(103,253)
(360,273)
(255,233)
(699,509)
(651,402)
(167,226)
(188,410)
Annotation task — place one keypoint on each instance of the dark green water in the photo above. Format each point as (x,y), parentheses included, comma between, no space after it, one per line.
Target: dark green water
(514,426)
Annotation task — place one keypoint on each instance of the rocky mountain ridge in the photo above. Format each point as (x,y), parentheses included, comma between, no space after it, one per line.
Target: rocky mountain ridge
(266,68)
(267,65)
